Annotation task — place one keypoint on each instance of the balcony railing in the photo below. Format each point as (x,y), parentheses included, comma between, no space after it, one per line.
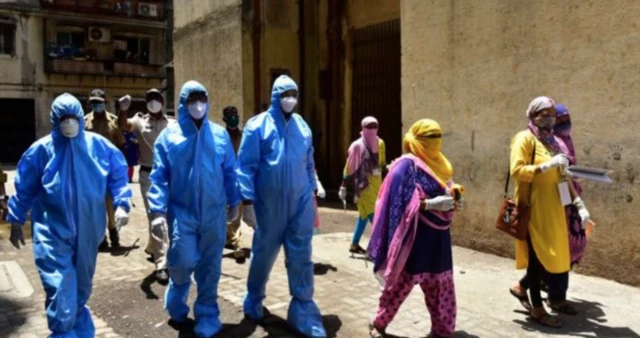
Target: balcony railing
(77,67)
(138,9)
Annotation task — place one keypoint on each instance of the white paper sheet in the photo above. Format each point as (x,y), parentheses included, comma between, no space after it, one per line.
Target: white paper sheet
(565,195)
(594,174)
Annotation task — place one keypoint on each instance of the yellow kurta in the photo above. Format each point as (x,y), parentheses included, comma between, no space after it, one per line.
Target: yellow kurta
(367,201)
(547,225)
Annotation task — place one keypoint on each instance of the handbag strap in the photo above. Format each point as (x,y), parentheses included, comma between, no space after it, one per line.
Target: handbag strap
(506,186)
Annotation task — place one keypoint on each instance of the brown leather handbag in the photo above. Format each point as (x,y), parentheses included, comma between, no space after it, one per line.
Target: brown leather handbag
(514,219)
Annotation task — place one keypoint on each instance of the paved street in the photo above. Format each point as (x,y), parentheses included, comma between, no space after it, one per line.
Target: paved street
(128,303)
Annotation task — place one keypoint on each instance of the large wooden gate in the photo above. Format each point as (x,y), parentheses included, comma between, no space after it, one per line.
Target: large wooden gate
(376,82)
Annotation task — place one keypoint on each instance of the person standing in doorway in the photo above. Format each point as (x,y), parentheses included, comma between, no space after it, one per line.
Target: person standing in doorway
(231,118)
(103,123)
(364,166)
(147,126)
(3,198)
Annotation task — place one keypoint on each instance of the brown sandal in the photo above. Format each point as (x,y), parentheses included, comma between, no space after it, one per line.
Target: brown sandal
(547,320)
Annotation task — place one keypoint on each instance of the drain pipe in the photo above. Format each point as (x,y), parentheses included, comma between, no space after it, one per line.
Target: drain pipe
(301,52)
(257,56)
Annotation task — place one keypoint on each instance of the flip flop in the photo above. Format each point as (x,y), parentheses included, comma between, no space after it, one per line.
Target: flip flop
(524,299)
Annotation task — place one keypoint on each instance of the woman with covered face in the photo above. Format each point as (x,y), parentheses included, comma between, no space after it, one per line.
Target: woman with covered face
(577,217)
(411,240)
(364,166)
(545,252)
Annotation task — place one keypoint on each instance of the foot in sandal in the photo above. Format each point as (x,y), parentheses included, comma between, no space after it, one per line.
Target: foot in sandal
(543,318)
(521,295)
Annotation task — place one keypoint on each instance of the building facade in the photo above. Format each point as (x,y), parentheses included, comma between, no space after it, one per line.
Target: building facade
(472,65)
(54,46)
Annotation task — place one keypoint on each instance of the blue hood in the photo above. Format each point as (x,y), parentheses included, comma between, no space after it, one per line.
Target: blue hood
(281,85)
(63,105)
(188,88)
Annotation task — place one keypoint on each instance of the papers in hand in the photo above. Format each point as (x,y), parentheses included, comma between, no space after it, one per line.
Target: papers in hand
(594,174)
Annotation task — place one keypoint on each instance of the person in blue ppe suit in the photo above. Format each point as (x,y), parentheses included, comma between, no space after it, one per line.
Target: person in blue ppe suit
(276,177)
(63,178)
(193,193)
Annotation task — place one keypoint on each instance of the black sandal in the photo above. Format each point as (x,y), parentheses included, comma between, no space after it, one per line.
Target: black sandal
(357,249)
(524,299)
(564,308)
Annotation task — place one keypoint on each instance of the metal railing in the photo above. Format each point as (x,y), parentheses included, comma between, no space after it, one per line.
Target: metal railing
(145,10)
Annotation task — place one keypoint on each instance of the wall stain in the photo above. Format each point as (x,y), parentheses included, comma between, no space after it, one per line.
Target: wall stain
(616,152)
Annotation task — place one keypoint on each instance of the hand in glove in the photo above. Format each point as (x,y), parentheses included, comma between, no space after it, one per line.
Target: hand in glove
(121,218)
(159,228)
(17,235)
(249,216)
(233,213)
(440,203)
(342,193)
(585,217)
(125,102)
(459,204)
(559,161)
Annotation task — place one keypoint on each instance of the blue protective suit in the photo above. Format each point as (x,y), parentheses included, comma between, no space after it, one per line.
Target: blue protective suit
(192,182)
(276,171)
(63,181)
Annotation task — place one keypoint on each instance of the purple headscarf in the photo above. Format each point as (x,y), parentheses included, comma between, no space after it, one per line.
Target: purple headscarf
(563,132)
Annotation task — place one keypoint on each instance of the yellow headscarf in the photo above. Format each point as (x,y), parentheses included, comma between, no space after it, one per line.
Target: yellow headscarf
(424,140)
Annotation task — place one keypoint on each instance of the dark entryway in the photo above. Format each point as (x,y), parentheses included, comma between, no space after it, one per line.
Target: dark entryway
(17,128)
(376,82)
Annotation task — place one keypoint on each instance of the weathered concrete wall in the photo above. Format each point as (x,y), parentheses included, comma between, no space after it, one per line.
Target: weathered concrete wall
(21,75)
(208,47)
(474,67)
(280,44)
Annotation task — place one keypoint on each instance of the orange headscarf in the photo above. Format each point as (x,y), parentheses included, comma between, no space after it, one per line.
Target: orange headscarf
(424,140)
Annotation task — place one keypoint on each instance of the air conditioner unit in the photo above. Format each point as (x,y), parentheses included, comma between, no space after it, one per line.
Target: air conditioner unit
(99,34)
(148,10)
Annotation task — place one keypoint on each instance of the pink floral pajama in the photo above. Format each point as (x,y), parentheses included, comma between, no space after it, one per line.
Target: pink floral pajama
(439,294)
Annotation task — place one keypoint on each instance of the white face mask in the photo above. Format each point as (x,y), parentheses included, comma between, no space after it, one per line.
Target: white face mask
(154,106)
(197,110)
(288,103)
(70,127)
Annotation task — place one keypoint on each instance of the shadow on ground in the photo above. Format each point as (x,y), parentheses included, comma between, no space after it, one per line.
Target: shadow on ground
(590,321)
(15,318)
(275,327)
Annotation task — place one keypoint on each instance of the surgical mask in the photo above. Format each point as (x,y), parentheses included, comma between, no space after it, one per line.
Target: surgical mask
(232,121)
(154,106)
(197,110)
(98,107)
(288,103)
(546,123)
(70,127)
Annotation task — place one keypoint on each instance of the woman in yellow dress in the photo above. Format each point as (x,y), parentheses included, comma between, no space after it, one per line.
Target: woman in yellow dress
(365,163)
(546,249)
